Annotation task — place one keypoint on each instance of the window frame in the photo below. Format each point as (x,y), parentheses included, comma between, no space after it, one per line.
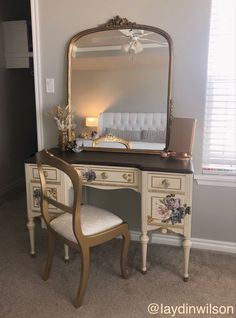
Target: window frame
(219,175)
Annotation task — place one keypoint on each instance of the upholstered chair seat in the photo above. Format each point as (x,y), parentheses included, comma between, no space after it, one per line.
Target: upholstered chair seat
(93,220)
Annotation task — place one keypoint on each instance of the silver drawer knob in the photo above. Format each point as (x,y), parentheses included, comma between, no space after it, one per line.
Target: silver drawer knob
(45,174)
(127,177)
(165,183)
(104,175)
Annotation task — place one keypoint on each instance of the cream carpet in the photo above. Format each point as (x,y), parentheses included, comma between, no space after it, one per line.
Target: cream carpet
(24,294)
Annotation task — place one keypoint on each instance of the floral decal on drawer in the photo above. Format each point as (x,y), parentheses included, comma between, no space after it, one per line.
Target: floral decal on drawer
(51,192)
(171,209)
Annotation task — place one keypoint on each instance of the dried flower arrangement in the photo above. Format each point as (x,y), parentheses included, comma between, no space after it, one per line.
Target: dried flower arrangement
(62,117)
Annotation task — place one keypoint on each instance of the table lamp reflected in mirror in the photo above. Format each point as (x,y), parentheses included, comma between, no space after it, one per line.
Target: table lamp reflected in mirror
(92,123)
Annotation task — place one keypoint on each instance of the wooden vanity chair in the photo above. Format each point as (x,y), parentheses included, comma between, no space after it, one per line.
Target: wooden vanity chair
(80,226)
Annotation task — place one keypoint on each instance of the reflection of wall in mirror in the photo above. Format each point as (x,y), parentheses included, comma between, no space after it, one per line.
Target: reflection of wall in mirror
(117,91)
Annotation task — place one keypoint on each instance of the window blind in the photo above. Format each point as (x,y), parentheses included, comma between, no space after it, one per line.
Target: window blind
(219,150)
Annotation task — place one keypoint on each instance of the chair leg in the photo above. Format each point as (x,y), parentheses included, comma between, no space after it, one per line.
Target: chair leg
(124,253)
(51,249)
(83,276)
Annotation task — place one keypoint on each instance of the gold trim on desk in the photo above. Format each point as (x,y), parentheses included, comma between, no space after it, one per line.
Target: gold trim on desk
(122,185)
(128,177)
(166,178)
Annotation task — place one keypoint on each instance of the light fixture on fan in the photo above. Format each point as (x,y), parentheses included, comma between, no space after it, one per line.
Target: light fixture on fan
(136,38)
(132,47)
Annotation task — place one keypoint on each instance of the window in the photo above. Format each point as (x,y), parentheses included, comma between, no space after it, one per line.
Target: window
(219,151)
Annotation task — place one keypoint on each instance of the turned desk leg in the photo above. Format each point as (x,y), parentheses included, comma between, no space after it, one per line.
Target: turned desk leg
(31,226)
(144,242)
(186,246)
(144,238)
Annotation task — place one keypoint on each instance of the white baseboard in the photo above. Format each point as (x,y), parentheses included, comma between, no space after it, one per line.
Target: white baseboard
(203,244)
(11,186)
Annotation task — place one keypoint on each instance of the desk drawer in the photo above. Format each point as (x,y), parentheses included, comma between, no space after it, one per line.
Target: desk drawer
(112,176)
(51,174)
(166,182)
(53,191)
(158,211)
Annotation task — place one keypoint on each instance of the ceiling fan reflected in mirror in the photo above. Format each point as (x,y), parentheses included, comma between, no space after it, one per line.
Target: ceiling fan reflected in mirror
(135,39)
(134,45)
(131,41)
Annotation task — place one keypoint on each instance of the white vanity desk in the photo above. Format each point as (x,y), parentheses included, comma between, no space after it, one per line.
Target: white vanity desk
(153,177)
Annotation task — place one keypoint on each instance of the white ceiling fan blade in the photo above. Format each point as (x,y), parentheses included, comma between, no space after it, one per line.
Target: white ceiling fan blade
(107,38)
(134,32)
(126,32)
(154,41)
(145,34)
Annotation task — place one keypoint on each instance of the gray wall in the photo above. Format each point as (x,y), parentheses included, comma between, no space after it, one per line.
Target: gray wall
(18,138)
(187,21)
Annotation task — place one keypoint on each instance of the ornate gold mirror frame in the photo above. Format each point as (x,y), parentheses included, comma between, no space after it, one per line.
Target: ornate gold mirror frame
(117,23)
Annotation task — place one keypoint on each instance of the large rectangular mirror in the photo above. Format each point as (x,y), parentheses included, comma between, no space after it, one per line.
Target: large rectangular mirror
(119,86)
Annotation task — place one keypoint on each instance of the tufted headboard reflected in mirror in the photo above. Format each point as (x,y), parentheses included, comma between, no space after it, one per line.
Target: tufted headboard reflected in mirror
(119,77)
